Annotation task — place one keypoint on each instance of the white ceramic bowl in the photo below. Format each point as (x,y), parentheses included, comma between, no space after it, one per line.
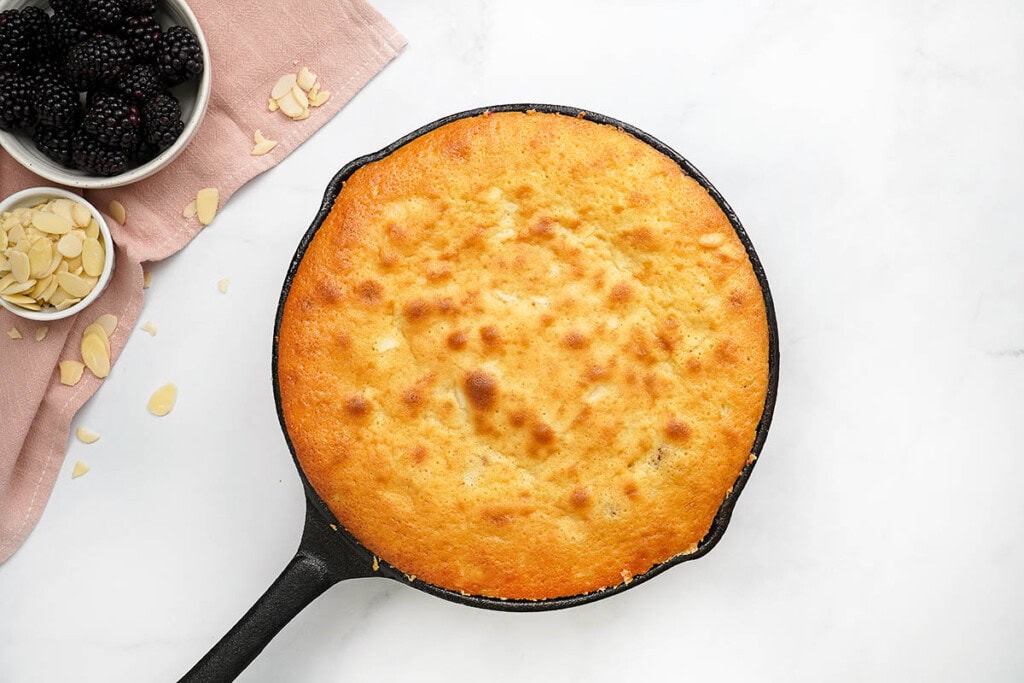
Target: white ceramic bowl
(194,96)
(33,196)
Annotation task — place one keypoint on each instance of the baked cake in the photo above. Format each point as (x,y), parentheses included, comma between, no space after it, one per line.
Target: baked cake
(525,356)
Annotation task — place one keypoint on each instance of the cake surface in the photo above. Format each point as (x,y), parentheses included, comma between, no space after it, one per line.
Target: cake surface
(525,356)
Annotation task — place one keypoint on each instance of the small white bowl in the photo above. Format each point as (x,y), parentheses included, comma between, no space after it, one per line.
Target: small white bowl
(33,196)
(194,96)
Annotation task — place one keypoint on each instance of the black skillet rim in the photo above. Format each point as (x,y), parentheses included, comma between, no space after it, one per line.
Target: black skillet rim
(721,520)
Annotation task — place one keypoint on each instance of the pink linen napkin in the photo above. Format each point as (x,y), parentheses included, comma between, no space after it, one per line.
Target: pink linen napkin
(346,42)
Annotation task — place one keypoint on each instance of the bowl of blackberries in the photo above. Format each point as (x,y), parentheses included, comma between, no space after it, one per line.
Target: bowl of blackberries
(100,93)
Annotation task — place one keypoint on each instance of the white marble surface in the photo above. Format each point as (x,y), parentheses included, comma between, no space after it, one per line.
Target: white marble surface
(872,149)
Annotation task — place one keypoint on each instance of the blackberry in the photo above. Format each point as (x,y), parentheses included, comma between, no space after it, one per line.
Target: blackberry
(23,37)
(143,37)
(139,7)
(66,31)
(161,121)
(180,56)
(95,158)
(144,153)
(100,14)
(17,101)
(140,84)
(55,143)
(113,121)
(57,104)
(98,61)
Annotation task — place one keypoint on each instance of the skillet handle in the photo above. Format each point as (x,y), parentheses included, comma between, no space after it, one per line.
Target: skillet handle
(322,560)
(301,582)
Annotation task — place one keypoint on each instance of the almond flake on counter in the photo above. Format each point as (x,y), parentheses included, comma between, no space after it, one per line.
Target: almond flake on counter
(149,327)
(261,144)
(190,209)
(117,212)
(41,333)
(319,98)
(71,372)
(86,435)
(162,400)
(222,285)
(13,333)
(272,104)
(207,203)
(79,469)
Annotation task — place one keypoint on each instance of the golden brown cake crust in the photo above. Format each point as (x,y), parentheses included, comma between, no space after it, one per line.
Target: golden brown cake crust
(525,356)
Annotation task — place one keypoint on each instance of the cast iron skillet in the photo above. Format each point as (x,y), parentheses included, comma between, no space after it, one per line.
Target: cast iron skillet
(328,554)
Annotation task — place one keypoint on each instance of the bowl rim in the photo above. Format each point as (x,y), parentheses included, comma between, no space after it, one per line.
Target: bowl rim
(51,172)
(18,199)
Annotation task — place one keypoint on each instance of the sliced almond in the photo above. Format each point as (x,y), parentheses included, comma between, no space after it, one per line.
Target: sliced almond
(162,400)
(51,288)
(51,223)
(71,372)
(100,332)
(189,210)
(39,257)
(301,117)
(94,353)
(86,435)
(18,287)
(41,333)
(147,279)
(16,234)
(58,296)
(305,79)
(64,209)
(66,304)
(20,265)
(70,245)
(207,202)
(18,299)
(150,328)
(300,96)
(79,469)
(283,86)
(272,104)
(6,281)
(93,229)
(81,215)
(40,287)
(93,257)
(13,333)
(290,106)
(117,212)
(319,98)
(55,262)
(222,285)
(261,148)
(23,245)
(73,284)
(31,306)
(108,321)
